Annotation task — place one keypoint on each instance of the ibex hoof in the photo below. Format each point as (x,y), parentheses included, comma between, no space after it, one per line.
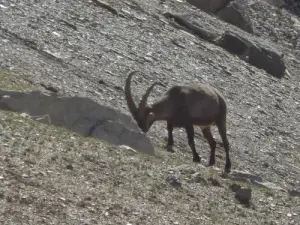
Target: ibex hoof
(197,159)
(170,148)
(211,162)
(227,168)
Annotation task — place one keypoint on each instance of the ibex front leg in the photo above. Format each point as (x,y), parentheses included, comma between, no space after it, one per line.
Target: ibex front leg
(170,137)
(190,135)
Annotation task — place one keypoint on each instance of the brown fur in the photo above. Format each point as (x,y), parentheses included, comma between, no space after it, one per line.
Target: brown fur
(184,106)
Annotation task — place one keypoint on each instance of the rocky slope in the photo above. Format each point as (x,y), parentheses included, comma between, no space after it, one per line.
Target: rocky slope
(83,48)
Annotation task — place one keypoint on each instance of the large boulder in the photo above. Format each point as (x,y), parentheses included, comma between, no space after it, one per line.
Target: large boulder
(258,55)
(81,115)
(205,32)
(236,14)
(277,3)
(209,6)
(292,6)
(267,59)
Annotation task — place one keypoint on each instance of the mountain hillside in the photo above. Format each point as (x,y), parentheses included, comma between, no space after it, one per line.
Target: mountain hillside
(249,50)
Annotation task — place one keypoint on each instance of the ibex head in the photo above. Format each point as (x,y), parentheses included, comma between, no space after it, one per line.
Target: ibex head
(143,114)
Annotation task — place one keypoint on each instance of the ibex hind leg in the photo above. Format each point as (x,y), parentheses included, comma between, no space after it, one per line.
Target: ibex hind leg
(222,130)
(212,143)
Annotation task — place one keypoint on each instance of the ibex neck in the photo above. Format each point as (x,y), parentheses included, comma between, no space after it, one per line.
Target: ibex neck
(160,110)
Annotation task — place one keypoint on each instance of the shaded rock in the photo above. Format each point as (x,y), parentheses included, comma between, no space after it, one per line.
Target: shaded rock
(69,167)
(292,6)
(127,148)
(262,57)
(184,169)
(233,43)
(80,115)
(244,176)
(277,3)
(214,182)
(193,26)
(267,185)
(269,60)
(244,195)
(210,6)
(174,181)
(26,200)
(294,193)
(50,88)
(235,187)
(235,14)
(197,178)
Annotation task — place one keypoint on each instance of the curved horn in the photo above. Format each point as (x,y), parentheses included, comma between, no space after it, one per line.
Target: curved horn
(130,103)
(143,102)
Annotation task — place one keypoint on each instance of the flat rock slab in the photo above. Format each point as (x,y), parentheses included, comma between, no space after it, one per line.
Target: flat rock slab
(262,56)
(80,115)
(210,6)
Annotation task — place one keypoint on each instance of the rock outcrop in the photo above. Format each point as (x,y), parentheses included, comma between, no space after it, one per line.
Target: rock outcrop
(80,115)
(260,55)
(210,6)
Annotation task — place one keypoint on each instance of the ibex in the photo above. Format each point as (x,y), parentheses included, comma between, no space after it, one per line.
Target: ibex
(184,106)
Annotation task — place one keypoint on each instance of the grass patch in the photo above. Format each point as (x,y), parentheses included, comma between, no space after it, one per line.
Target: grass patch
(9,81)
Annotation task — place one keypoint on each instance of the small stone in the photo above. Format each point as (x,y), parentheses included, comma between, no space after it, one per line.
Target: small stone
(235,187)
(24,115)
(294,193)
(174,181)
(242,175)
(214,182)
(81,204)
(266,165)
(267,185)
(289,215)
(25,175)
(25,200)
(101,82)
(196,178)
(56,33)
(3,6)
(69,167)
(62,199)
(129,149)
(9,199)
(91,209)
(244,195)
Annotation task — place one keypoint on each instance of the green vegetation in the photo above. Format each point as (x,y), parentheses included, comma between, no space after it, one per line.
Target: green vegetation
(9,81)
